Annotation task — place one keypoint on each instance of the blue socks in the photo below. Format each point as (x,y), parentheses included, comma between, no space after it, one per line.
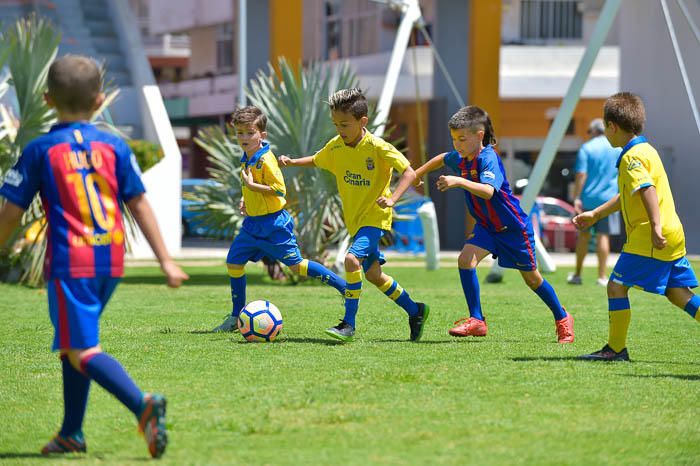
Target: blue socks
(547,294)
(396,293)
(352,296)
(470,286)
(313,269)
(76,388)
(106,371)
(238,285)
(691,307)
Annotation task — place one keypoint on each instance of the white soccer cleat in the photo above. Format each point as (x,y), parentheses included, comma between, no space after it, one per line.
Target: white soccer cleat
(230,324)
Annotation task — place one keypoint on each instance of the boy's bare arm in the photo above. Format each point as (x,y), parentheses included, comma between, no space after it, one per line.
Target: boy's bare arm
(142,212)
(651,205)
(431,165)
(10,216)
(252,185)
(482,190)
(406,180)
(285,161)
(588,218)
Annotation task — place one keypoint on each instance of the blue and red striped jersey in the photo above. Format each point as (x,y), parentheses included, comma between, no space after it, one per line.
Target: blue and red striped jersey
(83,175)
(500,213)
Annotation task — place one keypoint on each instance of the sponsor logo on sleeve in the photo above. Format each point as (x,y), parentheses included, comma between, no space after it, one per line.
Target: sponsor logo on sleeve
(13,178)
(488,175)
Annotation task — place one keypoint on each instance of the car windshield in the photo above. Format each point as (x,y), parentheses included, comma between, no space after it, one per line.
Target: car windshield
(555,210)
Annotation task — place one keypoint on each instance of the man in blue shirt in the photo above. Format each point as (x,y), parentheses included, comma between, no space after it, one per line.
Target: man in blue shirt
(595,184)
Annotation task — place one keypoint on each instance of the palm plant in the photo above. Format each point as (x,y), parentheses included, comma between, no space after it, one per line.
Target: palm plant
(30,45)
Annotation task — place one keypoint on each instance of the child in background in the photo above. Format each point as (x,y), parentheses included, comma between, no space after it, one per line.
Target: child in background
(268,229)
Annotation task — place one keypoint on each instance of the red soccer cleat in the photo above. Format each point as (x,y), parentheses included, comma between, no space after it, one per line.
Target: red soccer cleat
(565,329)
(469,327)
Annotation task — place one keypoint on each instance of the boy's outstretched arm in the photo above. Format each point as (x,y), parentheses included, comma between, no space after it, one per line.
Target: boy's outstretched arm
(431,165)
(142,212)
(300,162)
(482,190)
(651,205)
(10,216)
(407,178)
(588,218)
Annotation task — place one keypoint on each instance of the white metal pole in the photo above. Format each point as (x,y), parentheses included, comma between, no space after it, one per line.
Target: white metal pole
(681,63)
(242,50)
(411,14)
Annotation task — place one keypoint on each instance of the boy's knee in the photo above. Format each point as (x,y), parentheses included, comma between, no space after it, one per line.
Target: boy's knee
(615,290)
(77,357)
(466,261)
(532,279)
(294,268)
(352,263)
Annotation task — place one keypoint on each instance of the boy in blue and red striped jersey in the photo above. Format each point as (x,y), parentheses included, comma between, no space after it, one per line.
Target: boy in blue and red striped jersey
(498,224)
(83,175)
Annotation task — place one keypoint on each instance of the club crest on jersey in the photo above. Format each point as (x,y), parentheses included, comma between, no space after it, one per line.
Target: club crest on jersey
(634,164)
(473,173)
(259,164)
(370,163)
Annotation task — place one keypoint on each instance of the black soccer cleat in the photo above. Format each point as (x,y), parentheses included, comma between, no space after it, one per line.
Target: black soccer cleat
(417,322)
(606,354)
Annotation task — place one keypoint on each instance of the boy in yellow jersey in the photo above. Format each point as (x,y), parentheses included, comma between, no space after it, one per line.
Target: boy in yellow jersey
(362,165)
(268,229)
(653,258)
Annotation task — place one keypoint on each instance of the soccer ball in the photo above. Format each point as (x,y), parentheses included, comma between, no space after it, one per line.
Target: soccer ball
(260,321)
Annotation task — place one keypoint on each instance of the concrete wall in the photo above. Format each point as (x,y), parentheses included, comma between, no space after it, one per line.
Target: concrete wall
(649,68)
(181,15)
(203,51)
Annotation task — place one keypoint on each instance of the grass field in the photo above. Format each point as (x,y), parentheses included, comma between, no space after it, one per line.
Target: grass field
(514,397)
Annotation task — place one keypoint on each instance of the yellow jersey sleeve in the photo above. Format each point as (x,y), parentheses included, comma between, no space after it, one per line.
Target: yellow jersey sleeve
(323,158)
(635,173)
(392,156)
(272,175)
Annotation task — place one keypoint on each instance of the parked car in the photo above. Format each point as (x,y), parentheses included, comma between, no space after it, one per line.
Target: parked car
(557,231)
(190,226)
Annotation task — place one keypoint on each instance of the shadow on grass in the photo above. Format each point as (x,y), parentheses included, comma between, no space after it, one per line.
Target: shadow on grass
(196,279)
(5,455)
(421,342)
(690,377)
(545,358)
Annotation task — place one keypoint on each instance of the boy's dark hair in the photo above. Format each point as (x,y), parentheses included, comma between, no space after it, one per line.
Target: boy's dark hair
(626,110)
(350,101)
(474,118)
(248,115)
(74,82)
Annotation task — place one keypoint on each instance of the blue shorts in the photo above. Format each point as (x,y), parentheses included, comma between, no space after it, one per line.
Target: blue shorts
(365,246)
(75,307)
(513,249)
(653,275)
(269,236)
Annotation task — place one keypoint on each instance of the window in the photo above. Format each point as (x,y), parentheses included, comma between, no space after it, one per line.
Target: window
(550,19)
(350,28)
(224,48)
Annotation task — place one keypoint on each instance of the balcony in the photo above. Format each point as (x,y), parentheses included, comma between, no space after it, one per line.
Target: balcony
(209,96)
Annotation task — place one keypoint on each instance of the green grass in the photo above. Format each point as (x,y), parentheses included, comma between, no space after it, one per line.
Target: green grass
(514,397)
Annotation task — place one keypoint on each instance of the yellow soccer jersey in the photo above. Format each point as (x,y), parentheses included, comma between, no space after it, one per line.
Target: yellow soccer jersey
(263,166)
(363,174)
(640,166)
